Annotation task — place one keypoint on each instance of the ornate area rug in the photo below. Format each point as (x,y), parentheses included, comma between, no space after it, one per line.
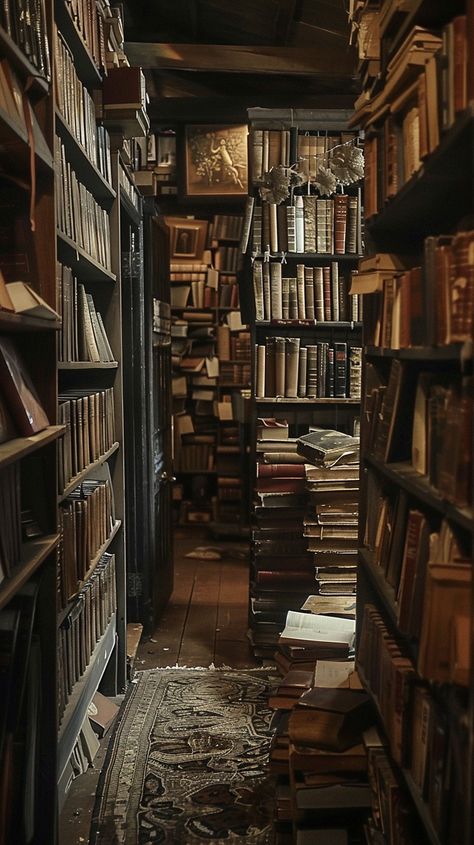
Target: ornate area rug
(188,761)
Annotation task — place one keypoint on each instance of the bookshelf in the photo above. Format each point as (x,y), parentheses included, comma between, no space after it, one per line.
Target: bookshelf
(28,456)
(295,299)
(420,470)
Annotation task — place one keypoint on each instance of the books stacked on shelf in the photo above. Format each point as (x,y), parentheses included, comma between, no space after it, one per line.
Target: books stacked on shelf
(28,29)
(80,217)
(87,518)
(188,272)
(289,367)
(273,147)
(228,292)
(235,374)
(83,336)
(316,294)
(89,418)
(84,625)
(282,571)
(225,227)
(226,259)
(113,34)
(310,224)
(77,107)
(331,523)
(89,24)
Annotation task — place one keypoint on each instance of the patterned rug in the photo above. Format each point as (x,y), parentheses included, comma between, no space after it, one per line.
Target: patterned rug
(188,761)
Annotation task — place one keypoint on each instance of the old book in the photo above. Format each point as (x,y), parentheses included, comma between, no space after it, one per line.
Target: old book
(318,280)
(267,307)
(291,227)
(292,349)
(387,418)
(309,210)
(325,447)
(280,358)
(269,428)
(26,301)
(332,719)
(299,223)
(340,223)
(19,391)
(300,289)
(247,224)
(257,276)
(276,290)
(282,228)
(303,629)
(302,372)
(309,293)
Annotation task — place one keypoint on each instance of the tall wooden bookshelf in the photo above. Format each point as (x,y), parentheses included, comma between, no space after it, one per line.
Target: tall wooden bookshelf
(414,626)
(270,602)
(28,461)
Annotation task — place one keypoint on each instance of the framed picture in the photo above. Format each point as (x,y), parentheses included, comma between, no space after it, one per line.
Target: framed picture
(215,160)
(187,238)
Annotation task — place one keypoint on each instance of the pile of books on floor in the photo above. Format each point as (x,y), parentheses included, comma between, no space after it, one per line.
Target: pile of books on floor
(320,714)
(282,570)
(330,525)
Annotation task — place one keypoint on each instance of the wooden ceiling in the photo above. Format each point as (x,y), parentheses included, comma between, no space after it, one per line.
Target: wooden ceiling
(232,54)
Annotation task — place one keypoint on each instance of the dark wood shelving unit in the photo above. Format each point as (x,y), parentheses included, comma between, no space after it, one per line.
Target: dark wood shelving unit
(81,263)
(85,170)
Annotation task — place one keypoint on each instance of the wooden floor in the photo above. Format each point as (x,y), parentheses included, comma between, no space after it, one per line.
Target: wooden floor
(204,623)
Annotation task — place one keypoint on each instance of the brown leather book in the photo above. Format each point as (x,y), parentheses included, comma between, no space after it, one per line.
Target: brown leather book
(340,223)
(19,391)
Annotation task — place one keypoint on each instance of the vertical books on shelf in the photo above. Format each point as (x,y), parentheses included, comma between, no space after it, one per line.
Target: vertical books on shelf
(415,560)
(306,345)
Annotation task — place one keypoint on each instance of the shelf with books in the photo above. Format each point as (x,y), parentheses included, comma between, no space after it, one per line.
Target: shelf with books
(308,324)
(33,554)
(81,262)
(86,171)
(87,365)
(38,84)
(82,694)
(104,547)
(86,67)
(19,447)
(129,208)
(283,400)
(88,471)
(344,257)
(404,475)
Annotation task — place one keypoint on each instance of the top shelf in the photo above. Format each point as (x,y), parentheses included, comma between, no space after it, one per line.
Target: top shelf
(86,68)
(435,198)
(314,256)
(23,66)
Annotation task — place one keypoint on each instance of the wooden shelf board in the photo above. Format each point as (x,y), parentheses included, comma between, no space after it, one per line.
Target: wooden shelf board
(87,365)
(451,352)
(316,256)
(195,471)
(417,485)
(282,400)
(86,171)
(88,471)
(384,590)
(82,693)
(95,560)
(308,324)
(83,263)
(19,447)
(10,322)
(22,64)
(34,553)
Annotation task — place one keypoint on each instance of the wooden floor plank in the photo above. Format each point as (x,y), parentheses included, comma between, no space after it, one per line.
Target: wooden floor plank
(197,646)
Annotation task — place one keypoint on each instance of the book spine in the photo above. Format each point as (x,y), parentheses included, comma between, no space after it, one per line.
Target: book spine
(291,227)
(258,290)
(340,223)
(279,366)
(340,362)
(292,348)
(260,373)
(285,297)
(299,223)
(335,291)
(312,371)
(309,293)
(276,290)
(293,299)
(309,209)
(300,282)
(318,293)
(327,293)
(302,372)
(267,307)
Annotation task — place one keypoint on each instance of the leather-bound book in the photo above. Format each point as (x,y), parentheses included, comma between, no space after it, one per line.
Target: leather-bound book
(17,387)
(340,223)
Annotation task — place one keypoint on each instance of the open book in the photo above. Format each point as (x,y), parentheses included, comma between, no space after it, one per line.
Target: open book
(313,629)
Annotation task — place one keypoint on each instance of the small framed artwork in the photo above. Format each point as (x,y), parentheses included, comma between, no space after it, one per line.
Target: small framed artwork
(187,238)
(215,160)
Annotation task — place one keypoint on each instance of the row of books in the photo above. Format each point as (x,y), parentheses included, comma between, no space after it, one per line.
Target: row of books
(438,412)
(226,258)
(238,374)
(87,518)
(274,147)
(422,736)
(443,290)
(84,625)
(188,272)
(83,336)
(193,457)
(286,368)
(225,295)
(10,507)
(317,294)
(225,227)
(26,24)
(309,224)
(391,819)
(78,109)
(90,26)
(80,217)
(89,418)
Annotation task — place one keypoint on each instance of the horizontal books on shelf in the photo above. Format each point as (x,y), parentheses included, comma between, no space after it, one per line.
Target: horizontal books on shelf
(80,217)
(309,224)
(427,736)
(83,336)
(286,368)
(26,25)
(196,271)
(317,294)
(84,625)
(78,110)
(442,290)
(89,418)
(87,517)
(225,227)
(273,147)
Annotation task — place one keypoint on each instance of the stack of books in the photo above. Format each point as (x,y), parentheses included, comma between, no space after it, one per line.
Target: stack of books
(331,522)
(287,368)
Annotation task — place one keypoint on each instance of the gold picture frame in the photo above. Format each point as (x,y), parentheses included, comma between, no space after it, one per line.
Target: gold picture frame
(216,160)
(187,238)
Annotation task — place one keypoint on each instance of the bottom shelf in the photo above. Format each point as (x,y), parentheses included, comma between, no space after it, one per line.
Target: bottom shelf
(76,709)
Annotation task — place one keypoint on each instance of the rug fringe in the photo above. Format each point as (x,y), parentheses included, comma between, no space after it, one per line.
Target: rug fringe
(212,667)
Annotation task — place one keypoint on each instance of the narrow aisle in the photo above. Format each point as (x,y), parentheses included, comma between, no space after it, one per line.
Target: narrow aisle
(205,622)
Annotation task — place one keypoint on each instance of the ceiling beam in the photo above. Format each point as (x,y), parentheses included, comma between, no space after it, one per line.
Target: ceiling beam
(171,110)
(300,61)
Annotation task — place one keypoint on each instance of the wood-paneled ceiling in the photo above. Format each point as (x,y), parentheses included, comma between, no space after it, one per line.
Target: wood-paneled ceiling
(241,53)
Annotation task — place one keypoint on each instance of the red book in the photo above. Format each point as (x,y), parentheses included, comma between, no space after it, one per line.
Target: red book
(327,293)
(280,470)
(281,485)
(340,223)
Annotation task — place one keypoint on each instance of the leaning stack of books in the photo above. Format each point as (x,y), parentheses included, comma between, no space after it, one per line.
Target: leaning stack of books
(281,567)
(330,526)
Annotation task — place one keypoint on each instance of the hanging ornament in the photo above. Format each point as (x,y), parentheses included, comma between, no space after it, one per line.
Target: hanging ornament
(325,181)
(277,183)
(347,164)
